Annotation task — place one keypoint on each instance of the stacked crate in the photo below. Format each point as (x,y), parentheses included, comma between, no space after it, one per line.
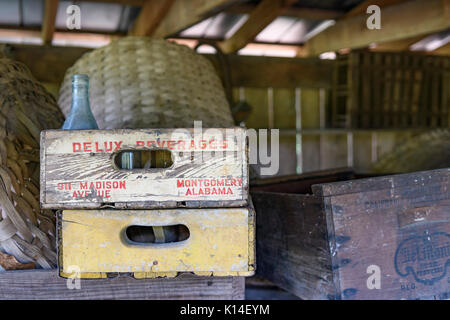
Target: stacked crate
(183,208)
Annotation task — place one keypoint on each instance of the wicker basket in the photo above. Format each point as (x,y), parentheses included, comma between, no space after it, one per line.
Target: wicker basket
(26,108)
(138,82)
(427,151)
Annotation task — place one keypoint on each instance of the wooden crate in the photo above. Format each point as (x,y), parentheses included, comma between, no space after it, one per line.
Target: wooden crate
(218,242)
(332,243)
(79,168)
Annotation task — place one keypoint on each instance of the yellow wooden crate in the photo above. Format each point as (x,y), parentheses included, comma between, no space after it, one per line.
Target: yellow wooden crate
(95,243)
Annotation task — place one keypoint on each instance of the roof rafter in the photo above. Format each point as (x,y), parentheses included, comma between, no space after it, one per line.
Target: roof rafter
(264,13)
(396,24)
(48,21)
(185,13)
(151,15)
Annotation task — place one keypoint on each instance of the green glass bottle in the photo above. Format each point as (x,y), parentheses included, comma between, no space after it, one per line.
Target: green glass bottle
(80,116)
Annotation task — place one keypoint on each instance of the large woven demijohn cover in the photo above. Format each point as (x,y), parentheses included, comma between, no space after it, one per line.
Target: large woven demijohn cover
(138,82)
(26,108)
(426,151)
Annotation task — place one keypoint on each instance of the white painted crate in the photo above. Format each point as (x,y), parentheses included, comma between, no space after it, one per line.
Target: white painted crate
(79,169)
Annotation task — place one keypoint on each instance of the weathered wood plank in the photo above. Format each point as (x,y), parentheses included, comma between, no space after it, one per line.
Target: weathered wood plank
(48,22)
(291,246)
(410,180)
(46,284)
(151,15)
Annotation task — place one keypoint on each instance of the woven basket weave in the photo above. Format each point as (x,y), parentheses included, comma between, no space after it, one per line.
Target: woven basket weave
(427,151)
(26,108)
(138,82)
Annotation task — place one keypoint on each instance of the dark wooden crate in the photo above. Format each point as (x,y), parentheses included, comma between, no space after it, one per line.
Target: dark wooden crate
(323,245)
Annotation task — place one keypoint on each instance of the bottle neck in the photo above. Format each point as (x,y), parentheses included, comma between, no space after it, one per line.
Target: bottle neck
(80,95)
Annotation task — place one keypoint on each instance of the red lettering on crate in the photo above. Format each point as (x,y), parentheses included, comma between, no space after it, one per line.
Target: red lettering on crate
(208,191)
(106,146)
(84,188)
(180,145)
(196,187)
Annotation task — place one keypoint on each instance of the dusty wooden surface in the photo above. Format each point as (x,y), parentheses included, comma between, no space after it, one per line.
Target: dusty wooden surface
(78,169)
(45,284)
(398,181)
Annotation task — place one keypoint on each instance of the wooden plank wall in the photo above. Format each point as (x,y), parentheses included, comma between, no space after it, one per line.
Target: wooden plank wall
(391,90)
(316,148)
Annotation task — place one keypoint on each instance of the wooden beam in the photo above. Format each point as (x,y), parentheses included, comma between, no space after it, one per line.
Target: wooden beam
(183,14)
(48,64)
(48,21)
(444,50)
(265,12)
(294,12)
(151,15)
(134,3)
(404,20)
(398,45)
(275,72)
(362,7)
(46,284)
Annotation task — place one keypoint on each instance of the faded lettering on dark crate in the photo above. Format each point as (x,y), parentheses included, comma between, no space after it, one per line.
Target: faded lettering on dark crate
(425,257)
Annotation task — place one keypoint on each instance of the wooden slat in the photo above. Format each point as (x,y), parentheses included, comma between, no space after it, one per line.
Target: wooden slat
(46,284)
(416,82)
(48,22)
(445,101)
(264,13)
(389,91)
(291,248)
(183,14)
(377,85)
(428,16)
(151,15)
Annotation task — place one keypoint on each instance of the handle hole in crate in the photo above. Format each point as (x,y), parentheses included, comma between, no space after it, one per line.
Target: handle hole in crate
(148,235)
(143,159)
